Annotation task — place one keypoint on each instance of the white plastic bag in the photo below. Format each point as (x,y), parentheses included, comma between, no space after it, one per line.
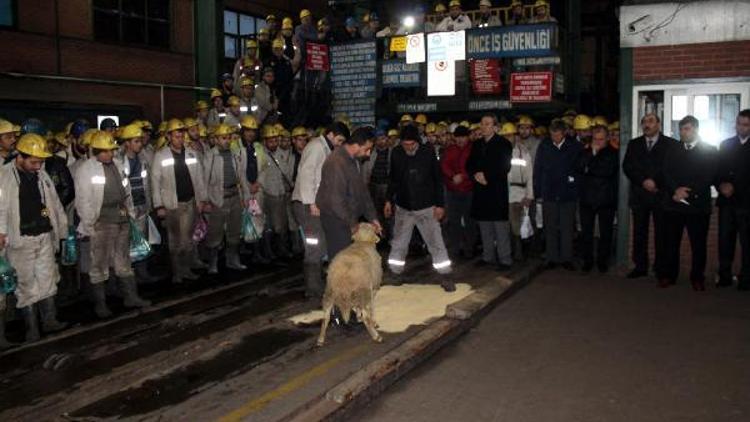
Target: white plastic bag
(154,237)
(527,229)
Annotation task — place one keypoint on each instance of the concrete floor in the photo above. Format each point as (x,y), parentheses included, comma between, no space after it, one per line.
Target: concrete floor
(570,347)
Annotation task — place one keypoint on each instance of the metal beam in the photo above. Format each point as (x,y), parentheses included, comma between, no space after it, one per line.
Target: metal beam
(207,15)
(626,132)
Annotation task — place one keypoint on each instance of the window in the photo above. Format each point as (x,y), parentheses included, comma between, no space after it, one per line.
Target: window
(144,22)
(7,13)
(237,28)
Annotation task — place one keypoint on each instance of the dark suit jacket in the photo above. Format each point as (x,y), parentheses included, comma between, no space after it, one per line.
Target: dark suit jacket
(695,169)
(641,164)
(597,187)
(734,168)
(490,201)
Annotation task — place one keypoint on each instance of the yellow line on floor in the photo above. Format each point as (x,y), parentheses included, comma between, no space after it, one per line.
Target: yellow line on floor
(257,404)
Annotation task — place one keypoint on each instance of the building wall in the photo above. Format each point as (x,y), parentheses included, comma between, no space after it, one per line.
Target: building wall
(691,61)
(280,8)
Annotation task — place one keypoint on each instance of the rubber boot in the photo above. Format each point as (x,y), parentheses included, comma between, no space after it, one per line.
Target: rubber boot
(176,270)
(282,245)
(100,301)
(142,273)
(267,246)
(130,294)
(232,258)
(31,322)
(258,257)
(4,343)
(187,264)
(517,249)
(195,261)
(297,248)
(213,261)
(313,283)
(48,313)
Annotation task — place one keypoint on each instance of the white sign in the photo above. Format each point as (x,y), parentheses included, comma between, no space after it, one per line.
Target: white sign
(449,46)
(441,78)
(415,48)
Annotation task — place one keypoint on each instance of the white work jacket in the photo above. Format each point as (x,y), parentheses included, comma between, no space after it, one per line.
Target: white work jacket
(145,172)
(163,186)
(214,167)
(90,181)
(521,174)
(310,168)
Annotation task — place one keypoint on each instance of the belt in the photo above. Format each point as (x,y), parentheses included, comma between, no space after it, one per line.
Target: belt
(522,185)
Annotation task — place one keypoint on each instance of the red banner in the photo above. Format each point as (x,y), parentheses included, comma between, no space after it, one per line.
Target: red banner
(485,76)
(317,57)
(531,87)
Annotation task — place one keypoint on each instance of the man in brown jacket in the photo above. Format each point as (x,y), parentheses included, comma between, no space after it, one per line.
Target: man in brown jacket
(342,196)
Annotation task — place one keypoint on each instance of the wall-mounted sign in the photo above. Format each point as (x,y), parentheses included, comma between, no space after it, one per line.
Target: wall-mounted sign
(511,41)
(537,61)
(353,79)
(479,105)
(530,87)
(417,108)
(441,78)
(415,48)
(399,74)
(446,46)
(317,57)
(485,76)
(398,44)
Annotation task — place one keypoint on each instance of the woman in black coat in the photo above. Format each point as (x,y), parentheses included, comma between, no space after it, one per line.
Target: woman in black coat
(598,169)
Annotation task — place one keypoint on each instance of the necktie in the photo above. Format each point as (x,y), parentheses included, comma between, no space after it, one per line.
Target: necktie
(649,144)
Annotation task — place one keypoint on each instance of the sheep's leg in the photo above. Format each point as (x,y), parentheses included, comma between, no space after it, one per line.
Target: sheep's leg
(370,324)
(327,308)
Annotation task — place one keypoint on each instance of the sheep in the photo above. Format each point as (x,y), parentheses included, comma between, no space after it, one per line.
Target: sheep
(354,277)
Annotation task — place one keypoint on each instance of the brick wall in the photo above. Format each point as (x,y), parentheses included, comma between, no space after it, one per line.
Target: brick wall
(691,61)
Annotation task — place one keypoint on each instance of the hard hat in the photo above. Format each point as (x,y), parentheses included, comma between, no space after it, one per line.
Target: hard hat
(62,138)
(201,105)
(87,135)
(251,44)
(33,125)
(249,122)
(279,127)
(131,131)
(373,17)
(17,130)
(487,3)
(202,131)
(277,43)
(270,18)
(599,121)
(351,22)
(223,129)
(582,122)
(249,62)
(227,76)
(163,127)
(287,23)
(161,142)
(285,133)
(322,22)
(215,93)
(270,131)
(508,129)
(540,3)
(525,120)
(146,125)
(614,125)
(406,118)
(440,8)
(515,3)
(430,128)
(392,132)
(189,122)
(304,13)
(474,126)
(6,127)
(103,140)
(465,123)
(34,145)
(540,131)
(108,123)
(454,3)
(570,112)
(247,82)
(233,101)
(174,124)
(421,118)
(263,31)
(299,131)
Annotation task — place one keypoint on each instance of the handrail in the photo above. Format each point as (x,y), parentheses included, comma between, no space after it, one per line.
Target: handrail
(502,12)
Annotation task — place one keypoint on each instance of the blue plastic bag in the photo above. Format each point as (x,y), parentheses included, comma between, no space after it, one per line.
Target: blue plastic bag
(249,233)
(139,246)
(69,252)
(8,277)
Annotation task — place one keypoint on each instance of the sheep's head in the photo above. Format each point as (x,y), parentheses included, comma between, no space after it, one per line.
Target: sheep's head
(366,233)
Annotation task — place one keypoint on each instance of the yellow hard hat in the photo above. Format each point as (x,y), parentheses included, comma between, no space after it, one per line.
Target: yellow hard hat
(215,93)
(515,3)
(393,132)
(454,3)
(525,120)
(251,44)
(270,18)
(161,142)
(6,127)
(304,13)
(421,118)
(540,131)
(287,23)
(614,125)
(270,131)
(223,129)
(599,121)
(189,122)
(540,3)
(202,131)
(201,105)
(285,133)
(163,126)
(465,123)
(322,22)
(174,124)
(87,136)
(430,127)
(62,138)
(474,126)
(487,3)
(247,82)
(33,145)
(277,43)
(263,31)
(582,122)
(299,131)
(250,62)
(440,8)
(233,101)
(249,122)
(570,112)
(508,129)
(131,131)
(103,140)
(145,124)
(406,118)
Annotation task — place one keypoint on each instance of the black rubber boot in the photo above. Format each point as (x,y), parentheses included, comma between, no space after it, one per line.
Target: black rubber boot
(130,294)
(4,343)
(232,258)
(258,257)
(213,261)
(313,283)
(31,322)
(99,297)
(142,273)
(48,313)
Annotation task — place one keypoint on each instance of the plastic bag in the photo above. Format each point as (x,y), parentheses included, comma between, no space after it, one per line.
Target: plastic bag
(139,247)
(249,233)
(527,229)
(200,229)
(8,277)
(154,237)
(69,250)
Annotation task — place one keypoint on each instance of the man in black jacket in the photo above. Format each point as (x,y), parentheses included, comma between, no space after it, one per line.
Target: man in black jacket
(734,202)
(689,172)
(598,168)
(643,165)
(416,190)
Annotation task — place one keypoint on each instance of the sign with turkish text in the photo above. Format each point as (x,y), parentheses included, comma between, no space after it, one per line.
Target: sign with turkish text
(531,87)
(446,46)
(317,57)
(511,41)
(485,76)
(415,52)
(399,74)
(398,44)
(353,80)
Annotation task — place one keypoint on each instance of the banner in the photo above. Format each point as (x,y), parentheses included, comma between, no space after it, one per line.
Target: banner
(415,48)
(449,46)
(485,76)
(317,57)
(512,41)
(398,44)
(441,78)
(530,87)
(353,80)
(399,74)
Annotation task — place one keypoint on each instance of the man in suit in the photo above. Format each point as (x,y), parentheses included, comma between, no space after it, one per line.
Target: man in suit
(734,202)
(689,172)
(643,165)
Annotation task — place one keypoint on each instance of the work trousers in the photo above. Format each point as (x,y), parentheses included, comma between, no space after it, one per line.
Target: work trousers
(110,246)
(731,219)
(180,222)
(496,242)
(379,194)
(33,258)
(338,234)
(275,209)
(559,222)
(589,217)
(429,228)
(225,221)
(515,217)
(642,216)
(315,239)
(697,229)
(462,229)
